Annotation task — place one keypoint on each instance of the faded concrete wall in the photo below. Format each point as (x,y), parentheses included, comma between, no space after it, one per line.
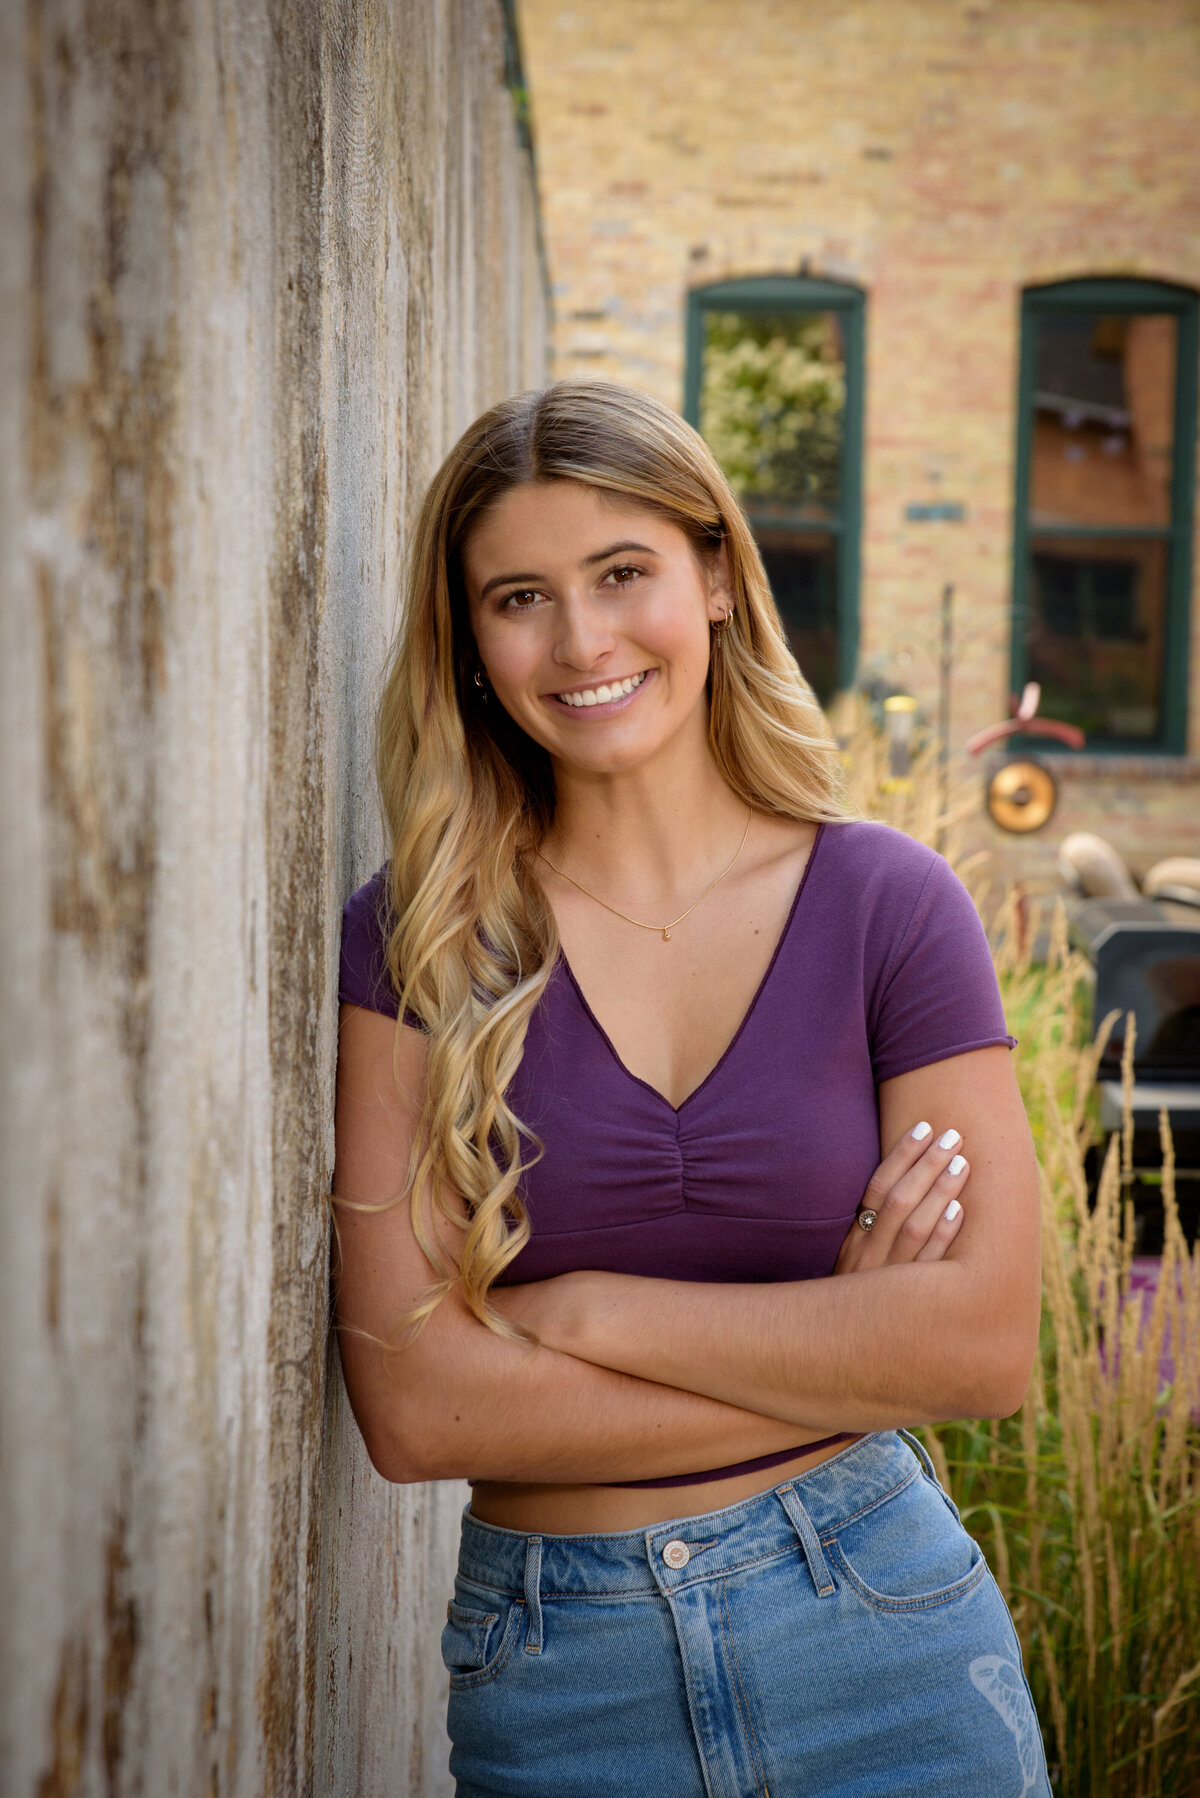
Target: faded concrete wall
(259,264)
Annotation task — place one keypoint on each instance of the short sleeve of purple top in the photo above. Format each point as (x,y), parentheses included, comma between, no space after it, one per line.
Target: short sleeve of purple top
(366,927)
(882,967)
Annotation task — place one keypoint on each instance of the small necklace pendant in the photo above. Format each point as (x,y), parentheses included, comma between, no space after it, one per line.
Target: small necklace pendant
(666,936)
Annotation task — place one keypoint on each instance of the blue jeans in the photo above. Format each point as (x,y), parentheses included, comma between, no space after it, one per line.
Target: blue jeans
(837,1635)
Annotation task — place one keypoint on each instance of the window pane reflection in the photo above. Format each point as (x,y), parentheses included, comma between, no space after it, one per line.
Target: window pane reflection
(802,570)
(1096,633)
(1103,419)
(772,402)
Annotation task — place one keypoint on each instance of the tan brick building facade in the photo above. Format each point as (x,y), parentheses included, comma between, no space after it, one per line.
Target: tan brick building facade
(942,157)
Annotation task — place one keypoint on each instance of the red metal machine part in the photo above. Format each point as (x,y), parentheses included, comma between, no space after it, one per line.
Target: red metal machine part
(1022,794)
(1026,723)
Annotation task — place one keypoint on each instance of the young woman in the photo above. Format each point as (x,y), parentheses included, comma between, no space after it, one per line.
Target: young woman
(627,1021)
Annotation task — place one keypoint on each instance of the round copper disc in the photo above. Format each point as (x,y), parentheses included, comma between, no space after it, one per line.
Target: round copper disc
(1021,796)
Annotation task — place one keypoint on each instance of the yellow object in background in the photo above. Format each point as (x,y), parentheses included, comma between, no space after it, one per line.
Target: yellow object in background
(1021,796)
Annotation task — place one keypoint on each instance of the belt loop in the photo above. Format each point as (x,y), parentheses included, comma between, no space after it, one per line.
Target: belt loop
(533,1596)
(922,1453)
(814,1554)
(919,1450)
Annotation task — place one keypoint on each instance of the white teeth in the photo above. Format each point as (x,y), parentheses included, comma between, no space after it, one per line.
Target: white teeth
(602,695)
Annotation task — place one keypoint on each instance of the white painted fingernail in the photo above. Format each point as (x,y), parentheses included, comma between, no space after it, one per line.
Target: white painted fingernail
(952,1210)
(957,1165)
(920,1131)
(949,1139)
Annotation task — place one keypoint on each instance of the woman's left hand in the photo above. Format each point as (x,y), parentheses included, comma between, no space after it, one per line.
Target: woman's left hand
(913,1202)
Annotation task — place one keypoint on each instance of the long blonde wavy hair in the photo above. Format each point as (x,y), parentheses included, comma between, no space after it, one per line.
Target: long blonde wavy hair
(467,796)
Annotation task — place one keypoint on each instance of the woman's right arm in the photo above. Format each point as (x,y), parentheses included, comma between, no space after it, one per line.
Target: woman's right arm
(460,1401)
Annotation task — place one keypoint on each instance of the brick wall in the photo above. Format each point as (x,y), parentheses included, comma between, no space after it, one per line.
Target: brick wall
(941,155)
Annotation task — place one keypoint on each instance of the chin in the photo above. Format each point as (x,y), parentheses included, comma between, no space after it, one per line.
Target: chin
(603,761)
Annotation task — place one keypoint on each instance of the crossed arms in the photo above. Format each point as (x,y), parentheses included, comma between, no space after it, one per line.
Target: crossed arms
(642,1378)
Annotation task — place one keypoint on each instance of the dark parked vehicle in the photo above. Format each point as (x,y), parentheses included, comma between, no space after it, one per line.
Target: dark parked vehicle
(1147,961)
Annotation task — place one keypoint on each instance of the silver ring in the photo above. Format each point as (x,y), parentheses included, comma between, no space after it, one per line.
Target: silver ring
(866,1219)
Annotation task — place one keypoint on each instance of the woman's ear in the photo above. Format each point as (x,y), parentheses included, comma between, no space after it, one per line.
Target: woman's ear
(720,581)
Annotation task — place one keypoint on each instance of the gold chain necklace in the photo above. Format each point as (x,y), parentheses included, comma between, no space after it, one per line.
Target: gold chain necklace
(666,929)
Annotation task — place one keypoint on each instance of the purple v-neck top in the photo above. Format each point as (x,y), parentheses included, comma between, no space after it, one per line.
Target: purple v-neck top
(882,967)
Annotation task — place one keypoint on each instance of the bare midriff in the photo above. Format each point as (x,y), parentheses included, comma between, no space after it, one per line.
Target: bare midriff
(584,1510)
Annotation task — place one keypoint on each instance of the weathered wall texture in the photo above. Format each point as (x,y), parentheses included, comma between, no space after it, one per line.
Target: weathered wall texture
(259,263)
(942,154)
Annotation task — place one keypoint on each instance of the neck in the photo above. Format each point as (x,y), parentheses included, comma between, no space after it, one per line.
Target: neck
(652,834)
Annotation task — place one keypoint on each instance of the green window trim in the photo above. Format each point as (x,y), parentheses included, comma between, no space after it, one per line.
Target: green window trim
(801,293)
(1127,297)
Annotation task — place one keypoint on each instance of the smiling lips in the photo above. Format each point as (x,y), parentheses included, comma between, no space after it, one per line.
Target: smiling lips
(603,695)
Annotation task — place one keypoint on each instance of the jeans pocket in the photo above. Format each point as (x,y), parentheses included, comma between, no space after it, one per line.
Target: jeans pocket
(476,1643)
(909,1553)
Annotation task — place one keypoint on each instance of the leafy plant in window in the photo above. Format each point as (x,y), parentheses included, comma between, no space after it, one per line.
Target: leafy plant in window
(772,397)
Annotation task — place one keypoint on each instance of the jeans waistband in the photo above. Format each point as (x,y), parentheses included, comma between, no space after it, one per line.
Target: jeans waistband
(712,1544)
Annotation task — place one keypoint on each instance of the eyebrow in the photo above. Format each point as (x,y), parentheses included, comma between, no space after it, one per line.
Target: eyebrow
(601,555)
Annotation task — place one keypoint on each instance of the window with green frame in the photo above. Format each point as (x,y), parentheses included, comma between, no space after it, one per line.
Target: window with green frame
(774,385)
(1103,537)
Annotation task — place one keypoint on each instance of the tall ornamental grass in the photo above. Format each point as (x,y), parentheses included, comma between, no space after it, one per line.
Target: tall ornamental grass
(1087,1502)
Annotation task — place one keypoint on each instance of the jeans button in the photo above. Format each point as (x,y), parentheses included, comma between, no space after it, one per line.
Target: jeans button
(677,1554)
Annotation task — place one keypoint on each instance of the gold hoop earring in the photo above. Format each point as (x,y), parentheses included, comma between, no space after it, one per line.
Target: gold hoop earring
(481,683)
(718,630)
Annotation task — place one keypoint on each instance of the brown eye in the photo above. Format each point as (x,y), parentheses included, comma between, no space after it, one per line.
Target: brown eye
(624,569)
(520,602)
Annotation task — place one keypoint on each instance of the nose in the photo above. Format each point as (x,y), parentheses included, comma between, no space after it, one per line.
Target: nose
(584,636)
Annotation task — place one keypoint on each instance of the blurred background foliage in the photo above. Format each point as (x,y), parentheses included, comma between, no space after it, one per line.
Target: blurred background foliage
(771,405)
(1087,1502)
